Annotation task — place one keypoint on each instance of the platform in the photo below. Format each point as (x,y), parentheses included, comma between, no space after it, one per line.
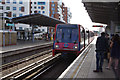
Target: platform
(84,65)
(24,44)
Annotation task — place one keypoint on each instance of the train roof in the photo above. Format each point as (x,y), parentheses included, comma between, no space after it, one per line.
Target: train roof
(66,25)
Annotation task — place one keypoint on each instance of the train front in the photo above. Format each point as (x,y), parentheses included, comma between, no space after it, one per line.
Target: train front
(66,40)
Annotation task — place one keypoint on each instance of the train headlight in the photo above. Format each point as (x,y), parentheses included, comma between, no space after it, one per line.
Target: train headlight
(56,46)
(75,47)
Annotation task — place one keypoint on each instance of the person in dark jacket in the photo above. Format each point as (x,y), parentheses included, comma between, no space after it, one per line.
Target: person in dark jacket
(101,48)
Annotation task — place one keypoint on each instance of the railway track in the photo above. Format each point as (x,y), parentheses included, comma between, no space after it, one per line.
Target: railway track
(36,51)
(55,70)
(21,53)
(12,67)
(25,70)
(46,67)
(17,62)
(52,71)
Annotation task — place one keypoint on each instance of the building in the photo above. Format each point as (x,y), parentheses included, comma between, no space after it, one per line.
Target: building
(59,11)
(66,13)
(16,8)
(54,12)
(41,7)
(69,15)
(1,11)
(56,9)
(1,20)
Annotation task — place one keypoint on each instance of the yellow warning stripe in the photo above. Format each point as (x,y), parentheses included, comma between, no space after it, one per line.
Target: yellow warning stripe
(72,76)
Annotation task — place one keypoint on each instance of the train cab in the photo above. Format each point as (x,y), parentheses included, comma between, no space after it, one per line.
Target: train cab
(67,39)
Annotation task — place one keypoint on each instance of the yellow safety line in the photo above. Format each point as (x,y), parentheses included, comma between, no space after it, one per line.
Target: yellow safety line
(79,65)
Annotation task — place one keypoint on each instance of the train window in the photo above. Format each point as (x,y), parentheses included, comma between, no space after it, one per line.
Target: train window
(59,35)
(67,35)
(74,35)
(82,33)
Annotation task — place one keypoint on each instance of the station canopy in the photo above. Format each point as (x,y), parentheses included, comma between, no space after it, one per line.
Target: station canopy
(37,19)
(103,11)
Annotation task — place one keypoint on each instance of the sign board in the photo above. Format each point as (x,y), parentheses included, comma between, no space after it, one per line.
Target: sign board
(97,25)
(8,24)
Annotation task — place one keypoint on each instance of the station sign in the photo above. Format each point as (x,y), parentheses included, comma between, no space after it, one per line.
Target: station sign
(8,24)
(97,25)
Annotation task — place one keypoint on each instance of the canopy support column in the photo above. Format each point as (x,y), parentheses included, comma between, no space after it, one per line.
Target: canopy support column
(32,33)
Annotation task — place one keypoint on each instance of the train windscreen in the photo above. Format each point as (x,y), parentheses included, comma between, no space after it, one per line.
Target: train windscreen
(67,34)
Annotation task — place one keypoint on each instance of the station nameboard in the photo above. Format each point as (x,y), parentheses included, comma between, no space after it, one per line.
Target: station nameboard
(8,24)
(97,25)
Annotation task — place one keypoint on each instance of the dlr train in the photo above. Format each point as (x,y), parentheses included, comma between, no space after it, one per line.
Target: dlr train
(71,39)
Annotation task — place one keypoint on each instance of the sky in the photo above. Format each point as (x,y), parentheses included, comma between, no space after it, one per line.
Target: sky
(79,14)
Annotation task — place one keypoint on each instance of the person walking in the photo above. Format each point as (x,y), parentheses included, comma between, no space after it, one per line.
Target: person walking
(115,52)
(101,48)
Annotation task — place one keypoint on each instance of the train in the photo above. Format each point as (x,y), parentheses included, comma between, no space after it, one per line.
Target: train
(71,39)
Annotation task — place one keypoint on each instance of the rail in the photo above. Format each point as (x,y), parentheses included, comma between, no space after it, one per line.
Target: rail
(29,68)
(8,65)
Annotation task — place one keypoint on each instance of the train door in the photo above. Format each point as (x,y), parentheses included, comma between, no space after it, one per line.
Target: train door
(87,37)
(82,37)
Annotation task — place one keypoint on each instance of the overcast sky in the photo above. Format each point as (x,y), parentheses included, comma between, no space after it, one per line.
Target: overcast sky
(79,14)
